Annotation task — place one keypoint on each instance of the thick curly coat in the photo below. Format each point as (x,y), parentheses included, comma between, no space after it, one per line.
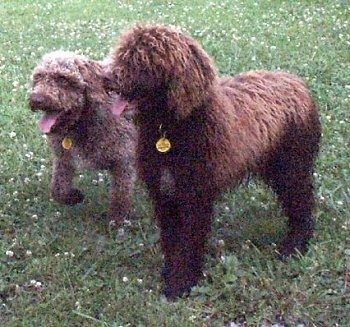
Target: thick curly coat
(69,90)
(221,131)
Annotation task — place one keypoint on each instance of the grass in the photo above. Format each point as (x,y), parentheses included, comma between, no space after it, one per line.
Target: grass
(61,266)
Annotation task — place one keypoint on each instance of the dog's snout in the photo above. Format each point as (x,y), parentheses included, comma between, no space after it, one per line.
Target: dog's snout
(37,101)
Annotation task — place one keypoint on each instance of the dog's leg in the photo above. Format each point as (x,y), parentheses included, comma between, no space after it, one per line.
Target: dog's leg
(184,230)
(293,184)
(62,179)
(121,191)
(297,201)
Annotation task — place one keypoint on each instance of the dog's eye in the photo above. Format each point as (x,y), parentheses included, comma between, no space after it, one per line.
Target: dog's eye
(65,82)
(37,77)
(62,81)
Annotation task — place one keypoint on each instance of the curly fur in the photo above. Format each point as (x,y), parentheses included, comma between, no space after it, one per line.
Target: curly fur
(69,90)
(222,130)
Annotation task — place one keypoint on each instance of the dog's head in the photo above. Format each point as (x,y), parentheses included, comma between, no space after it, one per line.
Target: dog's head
(63,86)
(152,61)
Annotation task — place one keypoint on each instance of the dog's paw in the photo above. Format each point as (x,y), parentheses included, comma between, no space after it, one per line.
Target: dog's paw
(174,293)
(74,197)
(118,218)
(292,247)
(176,286)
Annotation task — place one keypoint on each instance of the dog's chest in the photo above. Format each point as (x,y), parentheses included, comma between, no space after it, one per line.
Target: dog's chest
(167,182)
(87,153)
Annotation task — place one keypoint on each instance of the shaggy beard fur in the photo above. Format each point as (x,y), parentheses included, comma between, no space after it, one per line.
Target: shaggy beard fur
(221,130)
(68,90)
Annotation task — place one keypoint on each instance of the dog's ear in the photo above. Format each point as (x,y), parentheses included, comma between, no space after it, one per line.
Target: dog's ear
(92,73)
(191,81)
(150,61)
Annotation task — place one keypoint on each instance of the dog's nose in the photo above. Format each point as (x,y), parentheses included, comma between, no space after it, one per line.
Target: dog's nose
(37,101)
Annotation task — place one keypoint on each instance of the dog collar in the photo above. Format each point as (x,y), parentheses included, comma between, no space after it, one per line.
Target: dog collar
(67,143)
(163,145)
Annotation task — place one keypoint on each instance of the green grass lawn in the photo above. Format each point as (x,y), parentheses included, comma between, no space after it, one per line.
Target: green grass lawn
(61,266)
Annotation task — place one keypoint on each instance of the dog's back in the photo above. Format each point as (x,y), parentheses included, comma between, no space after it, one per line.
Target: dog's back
(266,107)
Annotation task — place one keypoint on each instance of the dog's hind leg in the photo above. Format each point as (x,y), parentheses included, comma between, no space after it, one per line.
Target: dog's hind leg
(120,193)
(297,200)
(290,176)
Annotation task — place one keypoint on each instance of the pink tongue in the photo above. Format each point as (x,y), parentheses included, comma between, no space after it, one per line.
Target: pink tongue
(47,121)
(118,106)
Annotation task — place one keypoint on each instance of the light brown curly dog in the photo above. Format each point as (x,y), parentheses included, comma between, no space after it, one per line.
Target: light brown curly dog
(69,90)
(201,134)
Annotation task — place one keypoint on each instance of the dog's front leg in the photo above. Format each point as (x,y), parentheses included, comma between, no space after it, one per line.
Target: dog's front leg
(62,189)
(184,231)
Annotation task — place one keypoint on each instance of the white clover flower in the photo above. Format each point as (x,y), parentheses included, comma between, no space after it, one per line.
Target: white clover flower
(221,242)
(125,279)
(127,223)
(29,155)
(10,253)
(35,283)
(121,232)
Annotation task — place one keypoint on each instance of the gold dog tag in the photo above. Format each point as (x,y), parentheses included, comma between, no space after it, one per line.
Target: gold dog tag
(67,143)
(163,145)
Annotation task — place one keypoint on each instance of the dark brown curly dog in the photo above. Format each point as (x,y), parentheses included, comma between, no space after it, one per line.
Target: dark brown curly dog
(201,134)
(69,90)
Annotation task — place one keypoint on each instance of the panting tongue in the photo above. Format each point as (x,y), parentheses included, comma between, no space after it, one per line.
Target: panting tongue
(47,121)
(118,106)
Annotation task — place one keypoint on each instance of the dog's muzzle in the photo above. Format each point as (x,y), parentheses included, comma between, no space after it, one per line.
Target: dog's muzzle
(38,101)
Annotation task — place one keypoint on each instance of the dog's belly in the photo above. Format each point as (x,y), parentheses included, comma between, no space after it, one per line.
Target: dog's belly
(92,160)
